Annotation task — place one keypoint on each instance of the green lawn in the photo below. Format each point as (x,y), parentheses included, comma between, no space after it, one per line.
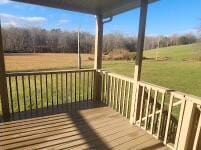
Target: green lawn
(181,71)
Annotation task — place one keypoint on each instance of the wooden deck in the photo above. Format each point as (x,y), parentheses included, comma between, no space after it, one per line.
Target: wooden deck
(94,128)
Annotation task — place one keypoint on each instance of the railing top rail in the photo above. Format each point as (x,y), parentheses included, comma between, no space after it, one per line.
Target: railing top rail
(156,87)
(47,72)
(194,99)
(129,79)
(178,94)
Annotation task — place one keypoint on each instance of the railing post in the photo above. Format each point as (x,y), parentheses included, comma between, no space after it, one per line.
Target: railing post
(139,55)
(187,125)
(3,83)
(98,57)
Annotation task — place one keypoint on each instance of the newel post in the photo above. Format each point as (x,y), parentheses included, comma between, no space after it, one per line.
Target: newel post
(3,83)
(188,122)
(139,56)
(98,57)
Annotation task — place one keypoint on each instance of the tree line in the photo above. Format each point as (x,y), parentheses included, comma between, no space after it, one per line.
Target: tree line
(35,40)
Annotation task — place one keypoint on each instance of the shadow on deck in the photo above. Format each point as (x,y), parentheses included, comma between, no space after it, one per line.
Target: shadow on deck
(85,126)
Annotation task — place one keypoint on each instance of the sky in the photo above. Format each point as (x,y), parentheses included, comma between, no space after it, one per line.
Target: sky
(165,17)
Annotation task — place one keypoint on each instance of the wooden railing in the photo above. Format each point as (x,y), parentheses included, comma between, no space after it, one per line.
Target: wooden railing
(168,115)
(117,92)
(30,92)
(193,113)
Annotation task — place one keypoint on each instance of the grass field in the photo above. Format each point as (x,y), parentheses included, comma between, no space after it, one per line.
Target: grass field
(30,62)
(177,67)
(181,70)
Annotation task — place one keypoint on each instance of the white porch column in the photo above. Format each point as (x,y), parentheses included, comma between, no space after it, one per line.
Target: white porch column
(139,56)
(98,56)
(3,83)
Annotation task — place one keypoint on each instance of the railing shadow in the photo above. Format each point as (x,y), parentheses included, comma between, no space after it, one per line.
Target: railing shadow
(90,136)
(52,110)
(1,118)
(152,147)
(67,131)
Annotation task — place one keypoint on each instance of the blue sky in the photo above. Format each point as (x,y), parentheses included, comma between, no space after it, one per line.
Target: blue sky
(165,17)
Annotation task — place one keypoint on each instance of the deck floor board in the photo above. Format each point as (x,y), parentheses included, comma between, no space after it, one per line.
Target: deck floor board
(94,128)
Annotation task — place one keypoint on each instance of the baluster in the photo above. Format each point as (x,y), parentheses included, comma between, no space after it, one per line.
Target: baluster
(66,89)
(17,92)
(179,123)
(120,96)
(71,90)
(160,116)
(142,104)
(168,119)
(83,86)
(41,91)
(154,111)
(47,97)
(117,95)
(23,91)
(136,102)
(52,91)
(105,89)
(11,95)
(62,95)
(124,96)
(87,87)
(35,86)
(92,81)
(113,93)
(57,89)
(197,135)
(75,90)
(102,88)
(79,74)
(128,96)
(147,108)
(30,97)
(110,91)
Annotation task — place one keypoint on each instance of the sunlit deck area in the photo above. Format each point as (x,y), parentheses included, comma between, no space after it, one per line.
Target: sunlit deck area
(95,127)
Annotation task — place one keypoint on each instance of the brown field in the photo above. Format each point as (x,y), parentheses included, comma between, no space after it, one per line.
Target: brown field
(28,62)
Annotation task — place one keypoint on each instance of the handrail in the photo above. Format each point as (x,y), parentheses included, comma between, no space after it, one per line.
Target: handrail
(149,85)
(188,97)
(47,72)
(117,75)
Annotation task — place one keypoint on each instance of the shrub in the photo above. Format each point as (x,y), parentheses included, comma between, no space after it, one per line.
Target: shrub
(119,54)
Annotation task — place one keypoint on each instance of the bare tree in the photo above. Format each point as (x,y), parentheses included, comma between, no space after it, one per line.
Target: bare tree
(40,40)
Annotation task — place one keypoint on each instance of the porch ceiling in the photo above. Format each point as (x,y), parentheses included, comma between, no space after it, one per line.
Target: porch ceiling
(106,8)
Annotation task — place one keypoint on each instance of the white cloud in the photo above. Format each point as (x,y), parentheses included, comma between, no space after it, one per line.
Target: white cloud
(11,20)
(62,23)
(4,1)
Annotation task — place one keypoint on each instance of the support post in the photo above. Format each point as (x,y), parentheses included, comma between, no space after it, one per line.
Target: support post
(187,126)
(3,83)
(78,49)
(98,57)
(139,56)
